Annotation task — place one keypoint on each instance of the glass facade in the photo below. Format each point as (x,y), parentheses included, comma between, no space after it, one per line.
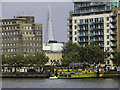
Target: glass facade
(88,7)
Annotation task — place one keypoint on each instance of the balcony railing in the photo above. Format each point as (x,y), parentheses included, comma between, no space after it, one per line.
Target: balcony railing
(98,34)
(113,51)
(82,23)
(114,34)
(85,35)
(113,39)
(91,29)
(99,40)
(113,21)
(91,5)
(113,28)
(113,15)
(99,28)
(113,45)
(83,41)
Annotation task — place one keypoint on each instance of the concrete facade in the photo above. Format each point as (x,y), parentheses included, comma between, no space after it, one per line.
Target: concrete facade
(54,58)
(20,35)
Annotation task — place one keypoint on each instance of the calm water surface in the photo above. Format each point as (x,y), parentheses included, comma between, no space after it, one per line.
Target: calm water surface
(59,83)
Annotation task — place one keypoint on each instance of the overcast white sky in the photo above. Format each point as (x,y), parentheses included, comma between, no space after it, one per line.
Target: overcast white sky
(60,12)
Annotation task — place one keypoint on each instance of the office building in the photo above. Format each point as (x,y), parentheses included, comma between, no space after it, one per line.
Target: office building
(21,35)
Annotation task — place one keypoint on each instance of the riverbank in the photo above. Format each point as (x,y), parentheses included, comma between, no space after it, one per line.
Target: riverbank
(24,75)
(110,74)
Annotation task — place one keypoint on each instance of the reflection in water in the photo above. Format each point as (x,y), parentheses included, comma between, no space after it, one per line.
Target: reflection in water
(58,83)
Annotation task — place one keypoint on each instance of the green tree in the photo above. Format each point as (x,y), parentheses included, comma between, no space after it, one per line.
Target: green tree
(74,53)
(116,59)
(17,59)
(41,59)
(70,54)
(4,60)
(94,54)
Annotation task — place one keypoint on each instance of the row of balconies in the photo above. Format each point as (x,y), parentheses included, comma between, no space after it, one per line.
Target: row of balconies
(90,5)
(92,34)
(100,39)
(90,23)
(83,41)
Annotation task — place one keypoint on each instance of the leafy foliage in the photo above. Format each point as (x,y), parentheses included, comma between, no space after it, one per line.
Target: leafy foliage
(116,59)
(38,60)
(74,53)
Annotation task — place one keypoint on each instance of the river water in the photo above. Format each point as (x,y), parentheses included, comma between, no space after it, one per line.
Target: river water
(59,83)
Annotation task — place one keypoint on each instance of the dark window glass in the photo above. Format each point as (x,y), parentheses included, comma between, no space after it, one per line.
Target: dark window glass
(107,42)
(107,36)
(75,26)
(107,30)
(107,18)
(107,24)
(75,21)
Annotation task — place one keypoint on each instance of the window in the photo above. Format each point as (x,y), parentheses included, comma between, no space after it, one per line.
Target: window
(108,48)
(107,42)
(33,38)
(107,30)
(11,33)
(11,44)
(114,12)
(2,33)
(107,24)
(75,21)
(8,50)
(26,27)
(30,27)
(107,36)
(75,32)
(6,28)
(108,62)
(8,44)
(75,38)
(107,18)
(75,26)
(11,50)
(8,33)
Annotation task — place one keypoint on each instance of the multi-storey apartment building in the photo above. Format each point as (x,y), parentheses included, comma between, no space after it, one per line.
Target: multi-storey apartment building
(98,23)
(20,35)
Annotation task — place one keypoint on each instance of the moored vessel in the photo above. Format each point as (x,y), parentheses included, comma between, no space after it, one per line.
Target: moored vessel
(84,71)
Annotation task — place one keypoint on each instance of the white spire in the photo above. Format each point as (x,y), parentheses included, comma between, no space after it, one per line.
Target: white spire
(49,26)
